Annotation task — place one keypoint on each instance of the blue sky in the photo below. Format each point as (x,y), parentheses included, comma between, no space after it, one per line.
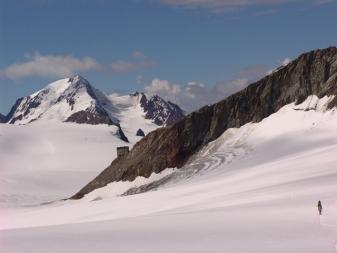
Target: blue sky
(195,50)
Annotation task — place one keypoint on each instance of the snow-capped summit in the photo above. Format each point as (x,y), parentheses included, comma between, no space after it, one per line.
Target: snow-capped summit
(75,100)
(66,100)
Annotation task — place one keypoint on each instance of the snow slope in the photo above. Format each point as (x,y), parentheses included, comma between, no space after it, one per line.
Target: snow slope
(45,162)
(254,189)
(131,115)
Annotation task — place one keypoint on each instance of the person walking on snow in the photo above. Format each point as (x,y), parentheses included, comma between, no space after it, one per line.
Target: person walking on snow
(319,206)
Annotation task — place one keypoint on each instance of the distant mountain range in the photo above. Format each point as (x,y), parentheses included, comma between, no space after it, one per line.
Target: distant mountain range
(75,100)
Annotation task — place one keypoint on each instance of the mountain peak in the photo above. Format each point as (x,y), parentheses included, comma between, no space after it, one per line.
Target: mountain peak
(62,100)
(75,100)
(78,79)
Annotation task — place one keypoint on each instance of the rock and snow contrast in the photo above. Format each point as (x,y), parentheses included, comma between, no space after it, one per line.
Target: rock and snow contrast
(254,189)
(75,100)
(313,73)
(61,136)
(243,175)
(66,100)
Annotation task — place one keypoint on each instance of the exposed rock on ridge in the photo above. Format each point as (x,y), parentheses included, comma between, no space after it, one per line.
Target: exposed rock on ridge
(160,111)
(313,73)
(2,118)
(75,100)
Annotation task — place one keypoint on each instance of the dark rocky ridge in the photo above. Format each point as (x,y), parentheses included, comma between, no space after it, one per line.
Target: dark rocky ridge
(2,118)
(163,113)
(9,116)
(313,73)
(140,132)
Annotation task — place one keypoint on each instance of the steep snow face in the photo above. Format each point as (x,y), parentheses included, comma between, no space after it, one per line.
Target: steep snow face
(254,189)
(131,115)
(33,106)
(71,99)
(137,112)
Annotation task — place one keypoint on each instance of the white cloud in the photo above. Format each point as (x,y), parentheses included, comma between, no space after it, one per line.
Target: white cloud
(285,61)
(163,86)
(281,63)
(48,66)
(140,61)
(319,2)
(122,66)
(265,12)
(138,54)
(194,95)
(221,5)
(60,66)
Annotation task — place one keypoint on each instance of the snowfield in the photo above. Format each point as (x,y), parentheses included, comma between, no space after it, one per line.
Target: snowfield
(46,162)
(254,189)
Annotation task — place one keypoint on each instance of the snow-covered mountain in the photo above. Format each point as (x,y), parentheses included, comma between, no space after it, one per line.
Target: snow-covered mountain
(66,100)
(75,100)
(242,175)
(254,189)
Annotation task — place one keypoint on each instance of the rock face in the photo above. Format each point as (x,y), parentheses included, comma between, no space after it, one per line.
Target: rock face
(160,111)
(313,73)
(2,118)
(140,132)
(10,118)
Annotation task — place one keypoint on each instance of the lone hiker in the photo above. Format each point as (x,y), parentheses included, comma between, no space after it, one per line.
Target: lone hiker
(319,206)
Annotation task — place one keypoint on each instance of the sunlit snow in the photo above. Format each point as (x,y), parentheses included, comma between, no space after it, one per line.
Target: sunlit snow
(254,189)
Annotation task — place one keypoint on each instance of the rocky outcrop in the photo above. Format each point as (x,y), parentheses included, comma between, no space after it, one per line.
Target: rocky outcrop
(10,116)
(161,112)
(314,72)
(140,132)
(93,115)
(3,118)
